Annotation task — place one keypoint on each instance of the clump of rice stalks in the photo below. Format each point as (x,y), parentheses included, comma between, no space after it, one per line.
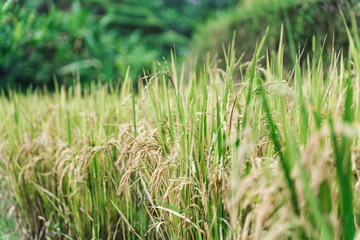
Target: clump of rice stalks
(210,154)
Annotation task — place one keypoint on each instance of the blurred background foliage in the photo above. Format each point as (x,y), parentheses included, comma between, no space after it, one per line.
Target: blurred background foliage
(307,24)
(42,40)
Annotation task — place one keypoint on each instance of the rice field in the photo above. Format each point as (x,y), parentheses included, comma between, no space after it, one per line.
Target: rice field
(252,151)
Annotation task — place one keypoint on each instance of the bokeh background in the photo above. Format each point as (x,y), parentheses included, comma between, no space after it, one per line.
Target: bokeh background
(45,40)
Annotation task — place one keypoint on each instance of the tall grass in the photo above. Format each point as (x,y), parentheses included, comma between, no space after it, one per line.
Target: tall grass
(249,152)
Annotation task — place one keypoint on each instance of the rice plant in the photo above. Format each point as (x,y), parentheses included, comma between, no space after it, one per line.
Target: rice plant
(253,151)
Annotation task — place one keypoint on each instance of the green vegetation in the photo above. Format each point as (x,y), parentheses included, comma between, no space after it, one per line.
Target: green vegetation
(249,152)
(8,224)
(43,40)
(263,144)
(303,20)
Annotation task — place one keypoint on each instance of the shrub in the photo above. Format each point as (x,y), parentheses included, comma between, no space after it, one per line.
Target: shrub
(301,20)
(35,47)
(41,40)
